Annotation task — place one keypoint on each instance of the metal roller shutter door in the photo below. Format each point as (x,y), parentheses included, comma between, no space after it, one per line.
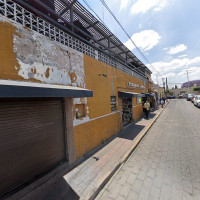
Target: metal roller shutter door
(31,139)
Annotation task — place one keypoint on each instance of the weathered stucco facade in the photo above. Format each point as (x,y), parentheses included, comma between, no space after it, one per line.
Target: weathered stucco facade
(28,56)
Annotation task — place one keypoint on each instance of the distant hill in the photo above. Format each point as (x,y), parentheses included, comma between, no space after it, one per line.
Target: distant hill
(191,84)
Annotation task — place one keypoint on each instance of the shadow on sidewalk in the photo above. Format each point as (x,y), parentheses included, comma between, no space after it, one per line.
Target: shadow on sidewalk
(55,190)
(151,116)
(131,132)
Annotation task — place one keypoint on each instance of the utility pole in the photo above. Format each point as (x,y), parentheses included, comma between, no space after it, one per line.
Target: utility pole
(163,84)
(187,72)
(166,85)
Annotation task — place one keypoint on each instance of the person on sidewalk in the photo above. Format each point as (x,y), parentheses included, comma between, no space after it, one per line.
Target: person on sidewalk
(162,103)
(147,109)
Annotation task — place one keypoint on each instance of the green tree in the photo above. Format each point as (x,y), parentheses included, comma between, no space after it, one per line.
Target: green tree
(196,89)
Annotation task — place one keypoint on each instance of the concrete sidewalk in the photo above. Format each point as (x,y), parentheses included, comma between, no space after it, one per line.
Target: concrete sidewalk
(87,179)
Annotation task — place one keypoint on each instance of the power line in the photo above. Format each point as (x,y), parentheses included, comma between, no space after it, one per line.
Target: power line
(106,6)
(87,4)
(109,10)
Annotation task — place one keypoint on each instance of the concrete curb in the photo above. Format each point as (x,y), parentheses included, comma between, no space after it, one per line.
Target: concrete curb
(137,139)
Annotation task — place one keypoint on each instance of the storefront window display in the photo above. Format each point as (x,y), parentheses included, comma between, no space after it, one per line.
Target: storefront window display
(126,111)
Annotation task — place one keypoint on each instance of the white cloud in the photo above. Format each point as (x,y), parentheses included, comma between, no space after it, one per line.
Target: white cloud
(170,66)
(170,74)
(166,48)
(175,70)
(195,61)
(182,56)
(194,73)
(177,49)
(145,40)
(124,4)
(141,6)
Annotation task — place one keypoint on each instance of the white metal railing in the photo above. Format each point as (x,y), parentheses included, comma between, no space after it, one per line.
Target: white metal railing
(20,15)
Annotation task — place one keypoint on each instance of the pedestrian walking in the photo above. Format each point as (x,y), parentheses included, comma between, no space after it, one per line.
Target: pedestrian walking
(162,103)
(147,109)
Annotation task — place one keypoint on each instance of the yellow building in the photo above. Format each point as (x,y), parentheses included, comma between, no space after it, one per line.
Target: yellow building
(160,91)
(60,97)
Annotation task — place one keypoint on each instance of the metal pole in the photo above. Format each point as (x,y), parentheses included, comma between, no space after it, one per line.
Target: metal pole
(187,71)
(163,84)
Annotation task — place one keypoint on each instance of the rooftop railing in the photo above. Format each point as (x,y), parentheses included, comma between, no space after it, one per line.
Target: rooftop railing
(19,14)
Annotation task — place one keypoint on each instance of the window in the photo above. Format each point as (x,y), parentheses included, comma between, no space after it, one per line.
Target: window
(80,111)
(113,103)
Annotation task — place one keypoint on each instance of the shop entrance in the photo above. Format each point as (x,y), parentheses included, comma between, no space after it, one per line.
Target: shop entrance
(127,111)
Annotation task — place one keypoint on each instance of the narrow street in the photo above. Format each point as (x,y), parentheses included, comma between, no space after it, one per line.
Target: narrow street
(166,164)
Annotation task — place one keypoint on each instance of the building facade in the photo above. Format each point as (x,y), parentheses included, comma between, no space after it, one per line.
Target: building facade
(183,91)
(58,100)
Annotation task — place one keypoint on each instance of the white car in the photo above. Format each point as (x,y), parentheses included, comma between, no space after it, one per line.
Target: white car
(197,100)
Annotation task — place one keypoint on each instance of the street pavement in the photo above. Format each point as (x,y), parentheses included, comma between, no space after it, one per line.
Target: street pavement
(166,163)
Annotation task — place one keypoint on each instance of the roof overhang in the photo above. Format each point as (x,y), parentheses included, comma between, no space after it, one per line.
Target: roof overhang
(149,95)
(129,94)
(27,89)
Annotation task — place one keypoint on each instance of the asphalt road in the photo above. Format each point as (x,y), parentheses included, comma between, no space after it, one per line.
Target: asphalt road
(166,164)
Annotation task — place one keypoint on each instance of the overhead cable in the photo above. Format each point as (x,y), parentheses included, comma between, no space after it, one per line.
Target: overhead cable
(110,11)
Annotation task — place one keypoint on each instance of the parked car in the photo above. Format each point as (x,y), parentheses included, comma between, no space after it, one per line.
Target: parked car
(185,96)
(189,96)
(171,97)
(192,99)
(180,96)
(197,100)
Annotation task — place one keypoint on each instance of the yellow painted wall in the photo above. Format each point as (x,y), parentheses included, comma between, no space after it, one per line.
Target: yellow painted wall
(7,56)
(91,134)
(137,109)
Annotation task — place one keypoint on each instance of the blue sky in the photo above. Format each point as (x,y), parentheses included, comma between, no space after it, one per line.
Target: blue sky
(166,31)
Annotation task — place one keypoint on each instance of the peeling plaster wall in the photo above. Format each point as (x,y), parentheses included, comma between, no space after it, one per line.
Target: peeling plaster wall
(39,59)
(46,61)
(36,58)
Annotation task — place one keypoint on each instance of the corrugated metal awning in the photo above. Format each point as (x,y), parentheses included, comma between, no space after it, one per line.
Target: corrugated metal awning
(129,94)
(27,89)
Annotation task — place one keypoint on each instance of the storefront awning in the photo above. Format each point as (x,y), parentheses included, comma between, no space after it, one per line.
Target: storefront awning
(129,94)
(149,95)
(27,89)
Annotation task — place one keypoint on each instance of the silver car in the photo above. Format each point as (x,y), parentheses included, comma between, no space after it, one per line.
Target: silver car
(197,100)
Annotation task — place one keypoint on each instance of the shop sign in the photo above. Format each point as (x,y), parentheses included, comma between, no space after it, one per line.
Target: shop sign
(134,85)
(139,100)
